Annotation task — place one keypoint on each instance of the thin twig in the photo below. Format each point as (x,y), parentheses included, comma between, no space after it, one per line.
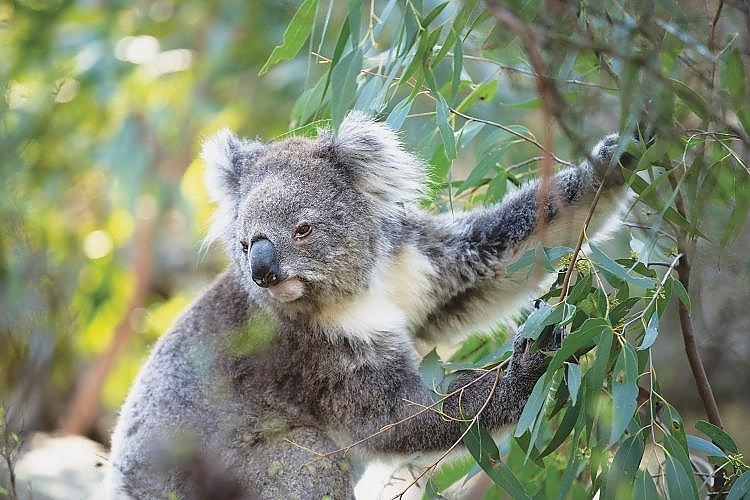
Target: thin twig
(474,421)
(345,450)
(579,243)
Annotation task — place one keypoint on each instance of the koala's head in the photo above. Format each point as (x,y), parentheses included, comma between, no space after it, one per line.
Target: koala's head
(303,219)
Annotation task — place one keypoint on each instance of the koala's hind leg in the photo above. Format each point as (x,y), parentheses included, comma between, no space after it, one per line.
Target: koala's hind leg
(293,467)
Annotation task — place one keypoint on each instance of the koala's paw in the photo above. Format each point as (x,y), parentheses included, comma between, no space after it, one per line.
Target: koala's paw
(528,358)
(607,168)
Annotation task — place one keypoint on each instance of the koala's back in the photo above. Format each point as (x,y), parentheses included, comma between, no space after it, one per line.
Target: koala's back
(188,429)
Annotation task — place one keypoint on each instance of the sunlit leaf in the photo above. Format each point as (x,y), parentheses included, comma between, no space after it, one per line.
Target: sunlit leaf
(483,92)
(296,33)
(448,474)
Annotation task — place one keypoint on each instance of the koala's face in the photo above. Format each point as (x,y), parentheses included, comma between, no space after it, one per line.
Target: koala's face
(303,229)
(303,218)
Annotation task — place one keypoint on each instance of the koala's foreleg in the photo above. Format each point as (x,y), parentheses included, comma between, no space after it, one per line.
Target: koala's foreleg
(407,419)
(472,287)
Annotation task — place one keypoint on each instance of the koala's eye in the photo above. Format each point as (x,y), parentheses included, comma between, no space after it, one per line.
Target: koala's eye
(245,247)
(302,230)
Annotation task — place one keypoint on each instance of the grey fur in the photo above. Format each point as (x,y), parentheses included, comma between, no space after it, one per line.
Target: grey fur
(251,384)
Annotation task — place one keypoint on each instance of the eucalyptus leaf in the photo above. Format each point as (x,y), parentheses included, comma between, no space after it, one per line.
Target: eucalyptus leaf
(624,388)
(480,444)
(295,35)
(609,265)
(741,488)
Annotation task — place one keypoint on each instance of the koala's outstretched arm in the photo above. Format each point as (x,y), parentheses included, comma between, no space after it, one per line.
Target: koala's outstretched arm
(400,397)
(470,253)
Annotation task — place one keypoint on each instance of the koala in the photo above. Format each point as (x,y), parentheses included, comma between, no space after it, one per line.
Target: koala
(304,345)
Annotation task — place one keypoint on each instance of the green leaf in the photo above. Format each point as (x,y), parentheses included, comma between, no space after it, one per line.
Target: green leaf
(717,435)
(538,254)
(733,77)
(563,430)
(574,381)
(458,59)
(309,102)
(678,480)
(624,387)
(644,487)
(736,223)
(741,488)
(524,441)
(296,33)
(640,186)
(620,478)
(399,113)
(682,294)
(580,339)
(344,81)
(483,92)
(480,444)
(469,132)
(545,315)
(695,102)
(486,165)
(533,406)
(431,370)
(651,332)
(444,126)
(449,473)
(609,265)
(702,446)
(743,114)
(677,451)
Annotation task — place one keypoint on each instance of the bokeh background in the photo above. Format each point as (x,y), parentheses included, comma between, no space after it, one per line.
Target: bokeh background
(103,107)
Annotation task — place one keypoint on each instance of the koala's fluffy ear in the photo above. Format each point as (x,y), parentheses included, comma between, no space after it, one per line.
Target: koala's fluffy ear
(378,160)
(227,158)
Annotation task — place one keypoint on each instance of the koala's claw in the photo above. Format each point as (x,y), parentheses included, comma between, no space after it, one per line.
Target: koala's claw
(532,359)
(608,170)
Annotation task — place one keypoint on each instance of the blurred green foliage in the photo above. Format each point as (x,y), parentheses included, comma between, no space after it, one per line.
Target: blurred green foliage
(103,106)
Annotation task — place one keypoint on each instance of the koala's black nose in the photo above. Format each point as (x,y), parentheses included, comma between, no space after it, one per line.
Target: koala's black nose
(264,265)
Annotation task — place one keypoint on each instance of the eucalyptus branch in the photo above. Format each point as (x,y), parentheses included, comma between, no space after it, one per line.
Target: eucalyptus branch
(686,320)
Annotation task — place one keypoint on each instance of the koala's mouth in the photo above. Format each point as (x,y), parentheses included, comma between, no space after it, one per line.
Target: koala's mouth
(288,290)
